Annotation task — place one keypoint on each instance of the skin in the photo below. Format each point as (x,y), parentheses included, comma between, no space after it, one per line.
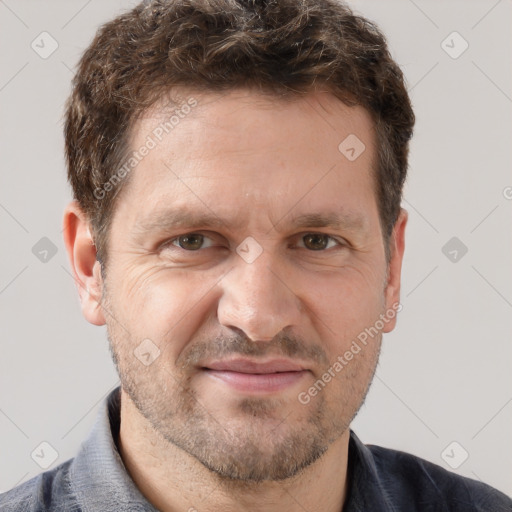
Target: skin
(191,440)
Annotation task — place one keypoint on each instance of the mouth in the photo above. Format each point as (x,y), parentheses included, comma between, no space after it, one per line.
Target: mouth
(250,376)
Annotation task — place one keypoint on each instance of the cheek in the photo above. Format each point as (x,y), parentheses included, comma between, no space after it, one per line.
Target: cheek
(345,302)
(165,304)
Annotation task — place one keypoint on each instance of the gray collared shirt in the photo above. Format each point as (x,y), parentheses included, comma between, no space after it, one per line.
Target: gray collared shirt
(379,480)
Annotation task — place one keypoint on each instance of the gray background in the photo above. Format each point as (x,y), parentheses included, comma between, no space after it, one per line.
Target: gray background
(445,373)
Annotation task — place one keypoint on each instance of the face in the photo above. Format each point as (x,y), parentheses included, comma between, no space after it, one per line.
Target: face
(245,259)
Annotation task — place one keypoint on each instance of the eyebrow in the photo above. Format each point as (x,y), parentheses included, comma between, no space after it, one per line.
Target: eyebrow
(172,219)
(346,220)
(167,220)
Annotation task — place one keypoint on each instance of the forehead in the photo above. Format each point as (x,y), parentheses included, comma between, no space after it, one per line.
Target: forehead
(249,117)
(241,152)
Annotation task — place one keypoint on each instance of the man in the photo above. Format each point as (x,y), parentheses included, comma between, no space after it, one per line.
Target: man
(237,170)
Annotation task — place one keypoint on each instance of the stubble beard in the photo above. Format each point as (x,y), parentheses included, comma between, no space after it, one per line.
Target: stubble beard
(258,445)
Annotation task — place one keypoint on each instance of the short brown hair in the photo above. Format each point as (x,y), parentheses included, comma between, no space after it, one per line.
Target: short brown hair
(281,47)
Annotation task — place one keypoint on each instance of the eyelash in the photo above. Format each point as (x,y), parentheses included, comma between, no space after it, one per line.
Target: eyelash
(171,243)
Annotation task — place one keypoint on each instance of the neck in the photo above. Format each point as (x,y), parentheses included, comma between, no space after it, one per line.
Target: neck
(172,480)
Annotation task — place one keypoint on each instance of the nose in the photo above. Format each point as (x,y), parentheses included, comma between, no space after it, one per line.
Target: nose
(258,299)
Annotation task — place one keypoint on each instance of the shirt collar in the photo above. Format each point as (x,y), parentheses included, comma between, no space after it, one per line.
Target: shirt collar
(366,490)
(98,475)
(100,480)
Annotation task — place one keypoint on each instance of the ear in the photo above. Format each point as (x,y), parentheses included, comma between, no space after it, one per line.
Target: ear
(82,256)
(396,248)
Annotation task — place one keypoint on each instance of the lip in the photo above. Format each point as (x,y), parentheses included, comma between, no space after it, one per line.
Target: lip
(249,376)
(255,367)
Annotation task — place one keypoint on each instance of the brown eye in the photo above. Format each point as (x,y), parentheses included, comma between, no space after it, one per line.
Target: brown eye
(190,242)
(316,241)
